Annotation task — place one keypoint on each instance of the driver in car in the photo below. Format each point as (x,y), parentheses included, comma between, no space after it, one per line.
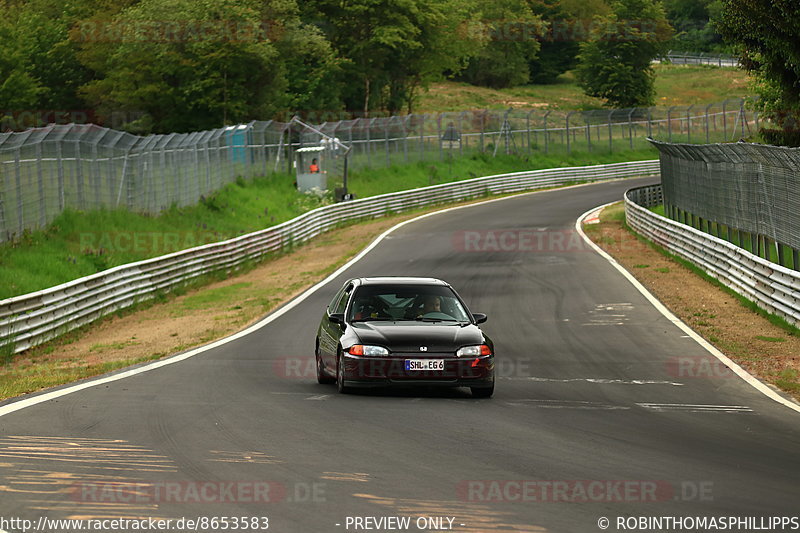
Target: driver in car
(433,304)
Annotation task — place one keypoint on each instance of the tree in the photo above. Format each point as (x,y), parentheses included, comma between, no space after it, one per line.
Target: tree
(766,34)
(389,49)
(694,30)
(19,89)
(512,30)
(562,29)
(615,63)
(186,65)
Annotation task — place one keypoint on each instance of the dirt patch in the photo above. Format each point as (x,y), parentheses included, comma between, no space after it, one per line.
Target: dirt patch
(765,350)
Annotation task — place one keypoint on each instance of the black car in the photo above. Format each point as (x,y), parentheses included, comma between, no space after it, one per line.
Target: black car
(391,331)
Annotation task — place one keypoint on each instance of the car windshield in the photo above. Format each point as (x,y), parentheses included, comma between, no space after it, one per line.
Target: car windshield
(426,303)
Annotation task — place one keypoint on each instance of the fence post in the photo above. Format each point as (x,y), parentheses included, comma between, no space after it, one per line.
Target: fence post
(546,134)
(744,117)
(386,144)
(422,137)
(60,174)
(566,123)
(40,179)
(369,141)
(461,133)
(4,233)
(724,121)
(18,183)
(689,123)
(608,118)
(405,139)
(669,122)
(439,135)
(528,127)
(589,134)
(289,156)
(630,126)
(483,128)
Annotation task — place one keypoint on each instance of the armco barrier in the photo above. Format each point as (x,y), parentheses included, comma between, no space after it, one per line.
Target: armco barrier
(29,320)
(771,286)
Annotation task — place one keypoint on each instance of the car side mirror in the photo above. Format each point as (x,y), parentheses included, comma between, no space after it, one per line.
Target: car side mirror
(337,318)
(480,318)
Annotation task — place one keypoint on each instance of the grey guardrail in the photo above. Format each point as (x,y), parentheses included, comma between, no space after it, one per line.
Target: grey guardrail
(771,286)
(31,319)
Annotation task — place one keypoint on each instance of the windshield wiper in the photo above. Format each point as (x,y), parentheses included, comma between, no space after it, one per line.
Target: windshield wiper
(431,319)
(375,319)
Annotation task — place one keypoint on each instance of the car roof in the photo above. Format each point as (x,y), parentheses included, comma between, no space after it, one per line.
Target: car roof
(400,280)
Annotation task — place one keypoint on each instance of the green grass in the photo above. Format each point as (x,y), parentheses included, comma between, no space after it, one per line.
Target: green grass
(788,380)
(770,339)
(78,244)
(674,85)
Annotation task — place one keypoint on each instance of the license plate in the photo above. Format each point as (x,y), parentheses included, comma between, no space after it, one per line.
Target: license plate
(424,364)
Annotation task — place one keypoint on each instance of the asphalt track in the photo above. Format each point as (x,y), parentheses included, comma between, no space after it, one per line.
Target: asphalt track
(604,408)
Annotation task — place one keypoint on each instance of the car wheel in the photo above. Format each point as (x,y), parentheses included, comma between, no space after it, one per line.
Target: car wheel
(340,374)
(322,377)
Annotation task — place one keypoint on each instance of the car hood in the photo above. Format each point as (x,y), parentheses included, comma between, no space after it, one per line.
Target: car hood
(410,336)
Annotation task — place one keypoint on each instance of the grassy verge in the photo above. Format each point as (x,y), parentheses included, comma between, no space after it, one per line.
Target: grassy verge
(78,244)
(674,85)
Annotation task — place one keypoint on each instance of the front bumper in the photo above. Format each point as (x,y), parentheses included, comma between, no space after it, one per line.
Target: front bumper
(360,371)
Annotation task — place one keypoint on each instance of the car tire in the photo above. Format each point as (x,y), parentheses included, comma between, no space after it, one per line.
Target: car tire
(483,392)
(340,374)
(322,377)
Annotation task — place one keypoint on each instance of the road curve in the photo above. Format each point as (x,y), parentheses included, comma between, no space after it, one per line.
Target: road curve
(603,408)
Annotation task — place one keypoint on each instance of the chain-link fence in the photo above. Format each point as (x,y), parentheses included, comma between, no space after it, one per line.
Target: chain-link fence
(46,170)
(748,194)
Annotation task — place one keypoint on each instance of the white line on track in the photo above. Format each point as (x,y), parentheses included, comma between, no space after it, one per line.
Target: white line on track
(602,381)
(739,371)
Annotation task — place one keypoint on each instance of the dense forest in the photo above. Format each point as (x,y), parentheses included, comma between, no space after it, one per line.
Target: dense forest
(183,65)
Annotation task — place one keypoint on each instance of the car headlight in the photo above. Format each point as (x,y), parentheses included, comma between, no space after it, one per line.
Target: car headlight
(474,351)
(366,349)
